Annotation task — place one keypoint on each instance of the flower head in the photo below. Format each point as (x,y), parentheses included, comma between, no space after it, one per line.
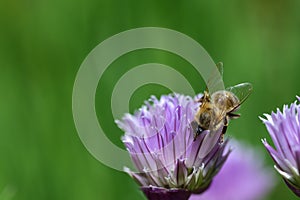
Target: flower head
(242,177)
(284,129)
(160,140)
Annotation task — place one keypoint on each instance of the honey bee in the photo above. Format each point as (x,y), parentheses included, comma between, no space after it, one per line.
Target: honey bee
(218,108)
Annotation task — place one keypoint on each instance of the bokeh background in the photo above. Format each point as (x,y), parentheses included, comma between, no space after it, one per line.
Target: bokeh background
(43,43)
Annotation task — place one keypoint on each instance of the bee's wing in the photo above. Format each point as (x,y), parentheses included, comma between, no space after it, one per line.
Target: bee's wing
(214,75)
(221,115)
(241,91)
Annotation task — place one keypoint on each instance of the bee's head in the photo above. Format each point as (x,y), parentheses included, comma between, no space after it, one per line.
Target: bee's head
(205,98)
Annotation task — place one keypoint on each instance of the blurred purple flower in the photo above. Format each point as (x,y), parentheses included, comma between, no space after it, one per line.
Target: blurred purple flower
(242,177)
(284,129)
(160,140)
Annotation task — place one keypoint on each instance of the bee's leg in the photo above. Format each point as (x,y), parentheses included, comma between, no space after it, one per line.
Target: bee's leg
(223,133)
(226,120)
(233,115)
(224,129)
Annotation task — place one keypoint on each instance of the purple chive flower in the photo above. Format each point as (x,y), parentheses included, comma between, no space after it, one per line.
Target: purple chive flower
(170,163)
(243,177)
(284,129)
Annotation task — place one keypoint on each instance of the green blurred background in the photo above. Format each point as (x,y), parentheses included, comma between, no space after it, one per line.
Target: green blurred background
(43,43)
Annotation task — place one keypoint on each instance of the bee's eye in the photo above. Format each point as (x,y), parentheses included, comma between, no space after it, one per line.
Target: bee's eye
(199,130)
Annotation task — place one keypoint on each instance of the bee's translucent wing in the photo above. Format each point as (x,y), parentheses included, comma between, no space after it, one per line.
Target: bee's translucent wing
(215,75)
(241,91)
